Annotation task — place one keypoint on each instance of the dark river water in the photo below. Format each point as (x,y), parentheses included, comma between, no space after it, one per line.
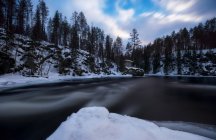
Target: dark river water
(34,112)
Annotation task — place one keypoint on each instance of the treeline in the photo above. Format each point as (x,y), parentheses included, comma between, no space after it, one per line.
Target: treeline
(18,17)
(173,51)
(169,53)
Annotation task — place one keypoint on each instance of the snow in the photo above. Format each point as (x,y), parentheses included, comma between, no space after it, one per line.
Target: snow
(195,128)
(96,123)
(11,80)
(159,74)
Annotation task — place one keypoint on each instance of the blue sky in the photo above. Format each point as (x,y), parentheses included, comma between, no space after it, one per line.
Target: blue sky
(152,18)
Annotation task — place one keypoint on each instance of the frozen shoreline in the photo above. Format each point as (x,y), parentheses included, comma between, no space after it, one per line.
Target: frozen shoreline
(12,80)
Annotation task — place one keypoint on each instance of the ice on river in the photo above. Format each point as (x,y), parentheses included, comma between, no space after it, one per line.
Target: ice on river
(96,123)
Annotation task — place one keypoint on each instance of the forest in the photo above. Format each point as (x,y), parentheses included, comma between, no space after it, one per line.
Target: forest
(33,43)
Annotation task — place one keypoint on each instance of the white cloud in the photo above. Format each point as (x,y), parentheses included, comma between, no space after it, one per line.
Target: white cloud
(93,10)
(170,15)
(180,6)
(173,17)
(124,15)
(175,5)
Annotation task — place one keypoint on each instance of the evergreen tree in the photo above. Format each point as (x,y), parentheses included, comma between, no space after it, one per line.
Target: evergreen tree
(134,41)
(28,18)
(101,46)
(121,65)
(21,16)
(108,47)
(156,56)
(82,21)
(210,35)
(147,59)
(178,59)
(30,60)
(75,21)
(185,38)
(43,14)
(49,30)
(128,50)
(84,28)
(66,31)
(168,54)
(194,62)
(74,39)
(55,28)
(10,10)
(2,15)
(36,31)
(117,51)
(92,38)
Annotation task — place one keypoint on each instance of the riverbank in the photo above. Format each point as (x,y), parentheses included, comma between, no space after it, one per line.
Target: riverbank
(12,80)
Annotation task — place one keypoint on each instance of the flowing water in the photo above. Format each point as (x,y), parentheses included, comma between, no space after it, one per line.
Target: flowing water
(34,112)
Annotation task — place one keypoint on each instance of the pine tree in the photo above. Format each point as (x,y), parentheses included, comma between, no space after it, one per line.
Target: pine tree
(128,50)
(74,39)
(21,16)
(108,47)
(117,51)
(194,62)
(156,56)
(147,59)
(179,67)
(55,29)
(91,40)
(36,31)
(75,21)
(74,45)
(210,29)
(185,38)
(101,46)
(83,30)
(66,31)
(2,15)
(121,65)
(30,60)
(49,30)
(178,44)
(168,54)
(28,18)
(43,14)
(10,10)
(134,41)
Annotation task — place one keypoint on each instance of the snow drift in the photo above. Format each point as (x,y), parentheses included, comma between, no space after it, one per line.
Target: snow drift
(96,123)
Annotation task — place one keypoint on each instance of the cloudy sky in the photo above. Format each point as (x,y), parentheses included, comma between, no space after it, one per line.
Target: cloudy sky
(152,18)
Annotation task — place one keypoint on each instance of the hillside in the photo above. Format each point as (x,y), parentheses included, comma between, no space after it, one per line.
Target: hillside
(197,63)
(22,55)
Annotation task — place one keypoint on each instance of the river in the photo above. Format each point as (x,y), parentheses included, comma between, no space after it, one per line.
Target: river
(34,112)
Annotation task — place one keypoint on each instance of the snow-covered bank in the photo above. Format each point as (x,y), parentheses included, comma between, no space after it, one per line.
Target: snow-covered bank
(11,80)
(163,75)
(96,123)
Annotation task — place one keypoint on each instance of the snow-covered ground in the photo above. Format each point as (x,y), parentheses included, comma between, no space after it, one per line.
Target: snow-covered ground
(172,75)
(96,123)
(11,80)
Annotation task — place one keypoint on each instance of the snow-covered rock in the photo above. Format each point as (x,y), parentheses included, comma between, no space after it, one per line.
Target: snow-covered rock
(96,123)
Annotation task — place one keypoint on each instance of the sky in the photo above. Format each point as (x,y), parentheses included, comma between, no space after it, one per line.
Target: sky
(152,18)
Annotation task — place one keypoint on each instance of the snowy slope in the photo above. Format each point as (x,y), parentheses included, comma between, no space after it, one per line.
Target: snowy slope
(96,123)
(42,59)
